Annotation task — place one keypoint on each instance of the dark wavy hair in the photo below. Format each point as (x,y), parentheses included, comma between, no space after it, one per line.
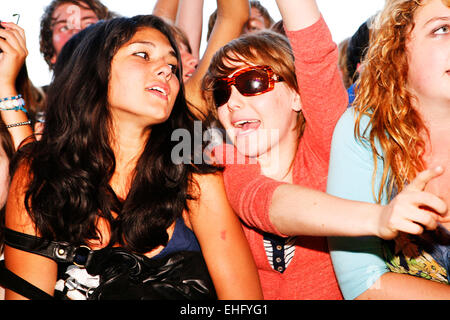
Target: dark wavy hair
(72,164)
(7,145)
(46,32)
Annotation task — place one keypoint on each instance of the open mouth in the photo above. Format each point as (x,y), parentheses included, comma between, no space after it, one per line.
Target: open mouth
(246,126)
(159,90)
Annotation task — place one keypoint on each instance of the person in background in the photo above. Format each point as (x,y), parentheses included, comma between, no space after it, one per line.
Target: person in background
(342,47)
(260,19)
(278,27)
(232,15)
(356,50)
(399,126)
(64,18)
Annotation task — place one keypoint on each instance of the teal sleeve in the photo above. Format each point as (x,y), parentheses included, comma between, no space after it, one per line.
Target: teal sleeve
(358,262)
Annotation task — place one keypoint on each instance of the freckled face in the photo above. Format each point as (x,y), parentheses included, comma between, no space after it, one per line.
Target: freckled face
(143,85)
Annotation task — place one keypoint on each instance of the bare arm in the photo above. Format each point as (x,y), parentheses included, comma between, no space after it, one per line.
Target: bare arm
(37,270)
(296,210)
(231,17)
(398,286)
(298,14)
(166,9)
(12,59)
(190,20)
(223,242)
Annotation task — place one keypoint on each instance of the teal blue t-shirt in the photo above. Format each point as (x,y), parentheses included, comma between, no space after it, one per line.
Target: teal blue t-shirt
(358,261)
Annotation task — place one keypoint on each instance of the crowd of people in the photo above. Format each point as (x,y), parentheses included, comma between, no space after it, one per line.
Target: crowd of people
(322,171)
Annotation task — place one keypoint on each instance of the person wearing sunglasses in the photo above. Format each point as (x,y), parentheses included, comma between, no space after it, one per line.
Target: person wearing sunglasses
(279,102)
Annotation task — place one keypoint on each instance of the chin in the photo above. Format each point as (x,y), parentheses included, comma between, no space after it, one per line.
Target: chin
(250,150)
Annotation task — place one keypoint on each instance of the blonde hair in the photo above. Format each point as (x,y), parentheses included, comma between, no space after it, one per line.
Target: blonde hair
(383,96)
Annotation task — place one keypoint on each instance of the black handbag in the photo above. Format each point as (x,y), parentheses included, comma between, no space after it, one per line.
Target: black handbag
(181,275)
(123,275)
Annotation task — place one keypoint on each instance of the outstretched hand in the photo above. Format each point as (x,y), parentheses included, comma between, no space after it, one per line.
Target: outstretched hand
(13,45)
(413,209)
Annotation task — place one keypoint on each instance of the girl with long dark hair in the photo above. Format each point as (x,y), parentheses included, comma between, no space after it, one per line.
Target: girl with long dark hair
(102,182)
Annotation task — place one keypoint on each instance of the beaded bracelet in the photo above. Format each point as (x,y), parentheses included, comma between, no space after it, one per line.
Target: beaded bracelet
(18,124)
(15,103)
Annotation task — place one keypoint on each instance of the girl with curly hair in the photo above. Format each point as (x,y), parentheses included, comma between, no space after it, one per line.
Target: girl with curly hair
(399,127)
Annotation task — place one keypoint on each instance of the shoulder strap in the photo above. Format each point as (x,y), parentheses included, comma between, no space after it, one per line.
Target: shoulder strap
(15,283)
(58,251)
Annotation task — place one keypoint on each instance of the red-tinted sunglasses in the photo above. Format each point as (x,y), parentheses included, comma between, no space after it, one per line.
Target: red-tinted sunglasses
(250,81)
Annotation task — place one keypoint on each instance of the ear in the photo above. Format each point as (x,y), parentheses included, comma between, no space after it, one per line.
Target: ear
(296,102)
(53,59)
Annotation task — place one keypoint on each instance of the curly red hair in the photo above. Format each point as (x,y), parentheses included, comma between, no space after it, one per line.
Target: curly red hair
(383,96)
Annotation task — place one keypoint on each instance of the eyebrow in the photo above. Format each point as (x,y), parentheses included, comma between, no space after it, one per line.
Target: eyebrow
(55,21)
(446,18)
(151,44)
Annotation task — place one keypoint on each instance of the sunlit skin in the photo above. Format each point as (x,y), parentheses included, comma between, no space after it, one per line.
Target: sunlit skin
(67,20)
(189,61)
(143,85)
(428,51)
(255,23)
(271,130)
(4,176)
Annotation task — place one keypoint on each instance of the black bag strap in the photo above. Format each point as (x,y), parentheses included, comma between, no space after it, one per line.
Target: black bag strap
(11,281)
(58,251)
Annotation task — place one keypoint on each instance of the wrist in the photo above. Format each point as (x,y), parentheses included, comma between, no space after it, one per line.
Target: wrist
(375,218)
(7,90)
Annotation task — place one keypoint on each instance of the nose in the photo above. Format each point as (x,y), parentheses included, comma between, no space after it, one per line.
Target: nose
(163,69)
(74,31)
(236,101)
(192,62)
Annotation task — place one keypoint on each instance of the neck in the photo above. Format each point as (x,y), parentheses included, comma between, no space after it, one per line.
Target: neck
(277,162)
(435,114)
(128,144)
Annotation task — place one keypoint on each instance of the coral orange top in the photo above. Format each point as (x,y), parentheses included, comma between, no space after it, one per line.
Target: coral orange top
(310,273)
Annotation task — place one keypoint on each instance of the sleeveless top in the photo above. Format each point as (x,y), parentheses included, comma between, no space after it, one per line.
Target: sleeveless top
(73,280)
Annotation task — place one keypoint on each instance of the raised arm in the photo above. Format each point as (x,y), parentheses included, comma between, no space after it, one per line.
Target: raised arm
(13,45)
(321,89)
(190,20)
(166,9)
(223,242)
(298,14)
(231,17)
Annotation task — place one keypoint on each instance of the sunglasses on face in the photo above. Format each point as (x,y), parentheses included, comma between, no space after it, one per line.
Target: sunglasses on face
(250,81)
